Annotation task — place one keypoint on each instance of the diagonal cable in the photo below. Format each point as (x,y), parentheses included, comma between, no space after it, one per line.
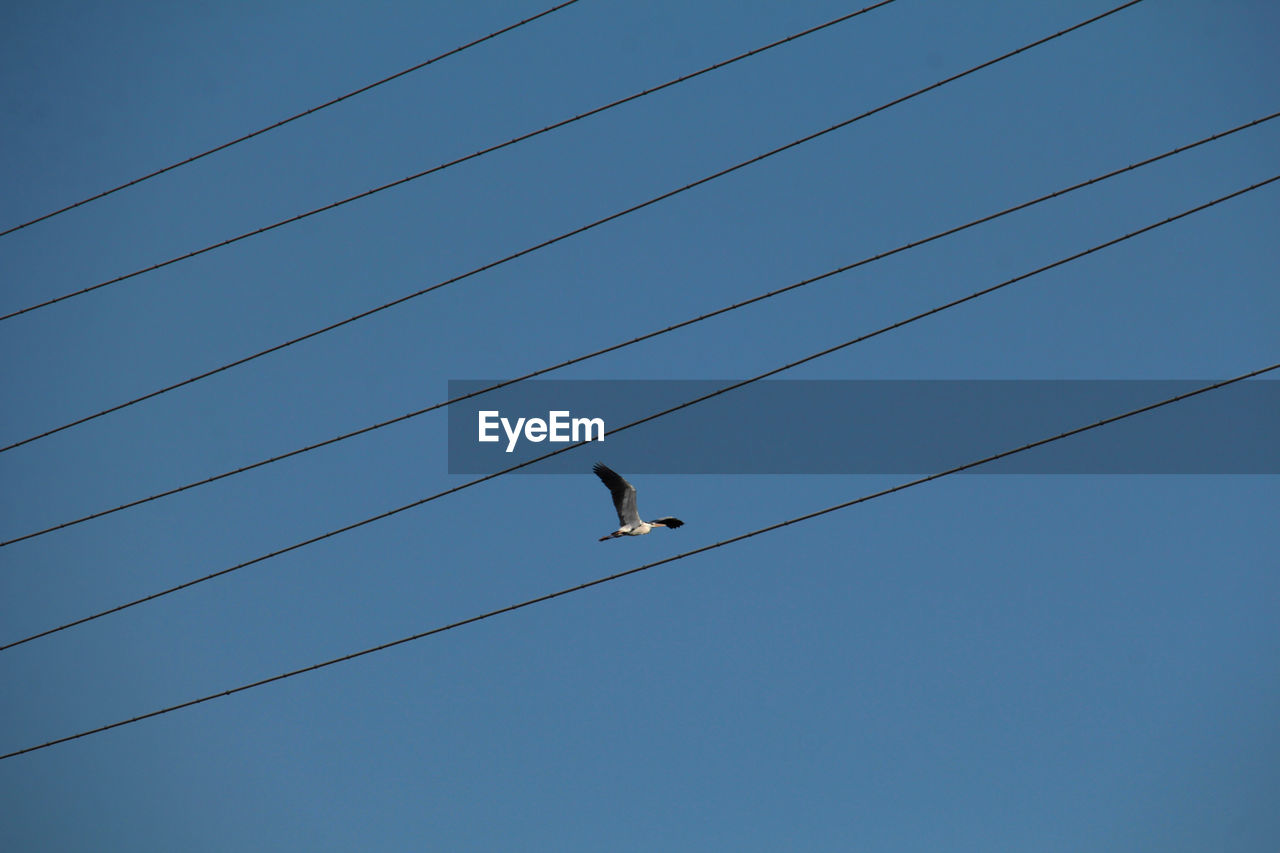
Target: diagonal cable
(291,118)
(557,239)
(636,570)
(656,333)
(264,229)
(647,418)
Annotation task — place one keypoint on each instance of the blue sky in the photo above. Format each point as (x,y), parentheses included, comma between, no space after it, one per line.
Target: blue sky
(980,663)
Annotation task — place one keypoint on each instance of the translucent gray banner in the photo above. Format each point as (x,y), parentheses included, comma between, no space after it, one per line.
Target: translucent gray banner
(866,427)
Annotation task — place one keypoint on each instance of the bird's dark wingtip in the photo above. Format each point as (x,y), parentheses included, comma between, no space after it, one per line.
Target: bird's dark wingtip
(610,477)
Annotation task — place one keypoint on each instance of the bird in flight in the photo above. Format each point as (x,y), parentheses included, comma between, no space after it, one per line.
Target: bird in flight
(624,501)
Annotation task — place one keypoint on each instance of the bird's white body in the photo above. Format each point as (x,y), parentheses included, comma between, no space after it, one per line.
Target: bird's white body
(639,530)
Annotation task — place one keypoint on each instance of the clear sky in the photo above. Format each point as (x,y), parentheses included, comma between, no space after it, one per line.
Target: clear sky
(980,663)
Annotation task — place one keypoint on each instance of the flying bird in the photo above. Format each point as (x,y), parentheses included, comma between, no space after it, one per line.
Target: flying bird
(624,501)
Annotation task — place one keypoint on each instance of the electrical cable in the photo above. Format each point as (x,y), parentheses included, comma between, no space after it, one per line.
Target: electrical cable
(564,236)
(647,418)
(264,229)
(636,570)
(644,337)
(292,118)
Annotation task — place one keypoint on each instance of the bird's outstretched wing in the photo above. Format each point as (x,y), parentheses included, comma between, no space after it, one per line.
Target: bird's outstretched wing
(624,494)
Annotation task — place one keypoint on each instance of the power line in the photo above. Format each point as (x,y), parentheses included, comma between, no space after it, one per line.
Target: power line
(292,118)
(578,359)
(636,570)
(647,418)
(564,236)
(264,229)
